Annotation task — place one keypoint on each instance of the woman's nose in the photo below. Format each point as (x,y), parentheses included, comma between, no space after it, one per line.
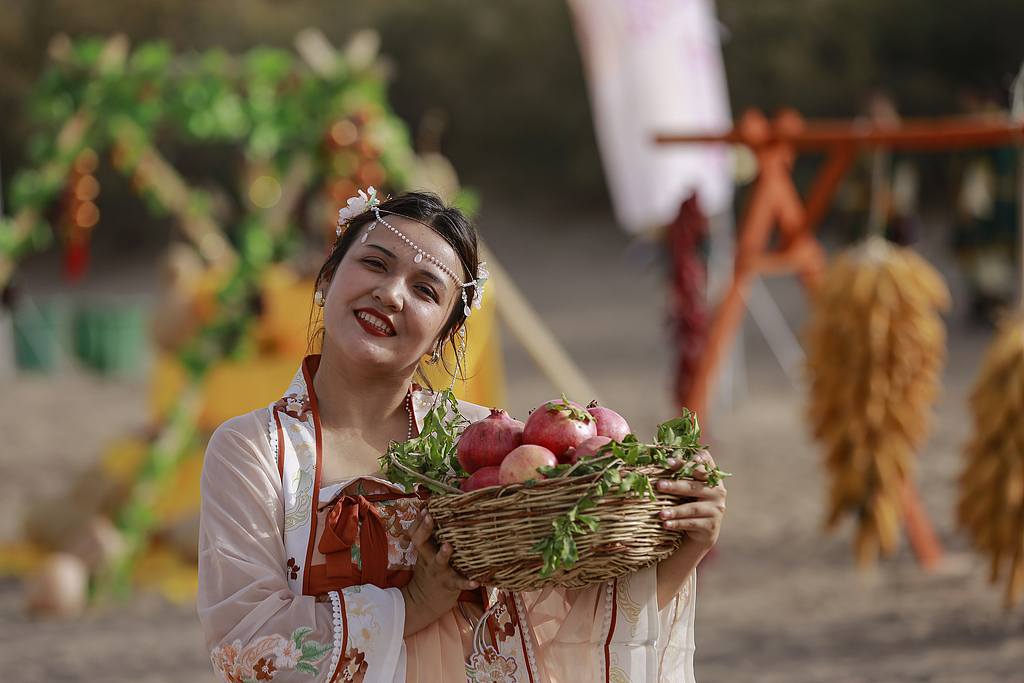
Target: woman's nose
(389,293)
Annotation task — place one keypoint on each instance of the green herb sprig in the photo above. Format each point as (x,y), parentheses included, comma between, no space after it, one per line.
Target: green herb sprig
(573,411)
(430,458)
(678,438)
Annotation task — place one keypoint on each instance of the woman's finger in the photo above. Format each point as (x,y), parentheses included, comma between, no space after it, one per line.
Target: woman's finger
(417,522)
(693,524)
(692,511)
(444,553)
(708,460)
(451,578)
(420,534)
(703,461)
(690,488)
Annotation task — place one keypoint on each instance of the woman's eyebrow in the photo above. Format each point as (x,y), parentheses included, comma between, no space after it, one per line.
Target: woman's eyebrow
(435,278)
(389,254)
(425,273)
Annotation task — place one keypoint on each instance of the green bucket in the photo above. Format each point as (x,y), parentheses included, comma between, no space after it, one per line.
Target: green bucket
(111,338)
(40,334)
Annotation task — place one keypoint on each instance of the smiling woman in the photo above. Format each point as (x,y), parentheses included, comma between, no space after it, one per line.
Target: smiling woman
(314,567)
(425,236)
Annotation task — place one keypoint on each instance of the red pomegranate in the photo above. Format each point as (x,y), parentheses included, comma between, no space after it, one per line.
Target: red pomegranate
(482,478)
(559,426)
(522,463)
(487,442)
(609,423)
(589,447)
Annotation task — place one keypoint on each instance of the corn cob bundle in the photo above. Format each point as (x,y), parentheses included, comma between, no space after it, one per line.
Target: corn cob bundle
(876,346)
(991,505)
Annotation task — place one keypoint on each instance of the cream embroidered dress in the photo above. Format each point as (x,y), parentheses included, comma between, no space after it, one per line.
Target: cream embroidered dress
(300,582)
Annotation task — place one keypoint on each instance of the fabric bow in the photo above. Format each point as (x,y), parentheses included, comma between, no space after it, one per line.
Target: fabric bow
(351,515)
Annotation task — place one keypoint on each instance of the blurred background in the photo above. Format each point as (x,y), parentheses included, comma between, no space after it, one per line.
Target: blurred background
(517,110)
(535,131)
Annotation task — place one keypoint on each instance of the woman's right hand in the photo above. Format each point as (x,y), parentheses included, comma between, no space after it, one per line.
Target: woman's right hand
(435,586)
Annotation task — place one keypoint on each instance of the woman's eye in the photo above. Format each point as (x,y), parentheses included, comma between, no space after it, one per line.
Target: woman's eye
(427,291)
(373,262)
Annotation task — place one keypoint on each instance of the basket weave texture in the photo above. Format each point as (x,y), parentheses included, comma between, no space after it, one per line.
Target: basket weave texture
(492,531)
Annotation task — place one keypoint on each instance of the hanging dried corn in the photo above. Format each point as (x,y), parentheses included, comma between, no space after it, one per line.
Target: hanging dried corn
(991,505)
(876,346)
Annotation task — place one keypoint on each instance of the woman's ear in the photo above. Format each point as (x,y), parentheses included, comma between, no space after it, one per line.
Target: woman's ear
(325,279)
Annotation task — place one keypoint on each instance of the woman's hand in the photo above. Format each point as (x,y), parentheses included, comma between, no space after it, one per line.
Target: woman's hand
(701,519)
(435,586)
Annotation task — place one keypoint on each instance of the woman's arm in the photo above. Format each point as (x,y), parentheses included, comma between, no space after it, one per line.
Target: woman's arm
(254,623)
(701,520)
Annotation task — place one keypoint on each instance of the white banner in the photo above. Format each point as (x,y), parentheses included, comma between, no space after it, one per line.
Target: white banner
(655,66)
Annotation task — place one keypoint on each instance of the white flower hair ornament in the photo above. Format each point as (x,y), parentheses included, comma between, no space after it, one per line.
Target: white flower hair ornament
(356,206)
(482,275)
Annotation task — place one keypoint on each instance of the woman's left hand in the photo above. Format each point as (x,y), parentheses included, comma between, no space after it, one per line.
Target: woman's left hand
(700,518)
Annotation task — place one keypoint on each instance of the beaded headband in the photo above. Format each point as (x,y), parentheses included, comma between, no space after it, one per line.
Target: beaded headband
(369,202)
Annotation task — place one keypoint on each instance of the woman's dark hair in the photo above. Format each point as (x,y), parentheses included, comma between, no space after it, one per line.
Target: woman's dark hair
(426,208)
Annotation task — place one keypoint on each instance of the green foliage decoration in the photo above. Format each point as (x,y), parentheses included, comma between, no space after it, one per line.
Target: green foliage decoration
(276,114)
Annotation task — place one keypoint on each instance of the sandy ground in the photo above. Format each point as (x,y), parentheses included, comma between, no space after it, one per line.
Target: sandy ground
(777,600)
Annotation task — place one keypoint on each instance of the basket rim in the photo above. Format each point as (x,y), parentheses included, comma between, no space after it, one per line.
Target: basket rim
(462,499)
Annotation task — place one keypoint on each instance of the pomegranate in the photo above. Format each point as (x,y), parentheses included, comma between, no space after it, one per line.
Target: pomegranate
(589,447)
(486,442)
(482,478)
(559,426)
(522,463)
(609,423)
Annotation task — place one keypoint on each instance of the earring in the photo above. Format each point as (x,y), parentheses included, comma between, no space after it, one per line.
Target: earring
(435,357)
(318,298)
(460,360)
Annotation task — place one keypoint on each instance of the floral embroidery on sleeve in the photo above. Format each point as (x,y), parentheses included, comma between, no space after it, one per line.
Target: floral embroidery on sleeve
(261,659)
(353,666)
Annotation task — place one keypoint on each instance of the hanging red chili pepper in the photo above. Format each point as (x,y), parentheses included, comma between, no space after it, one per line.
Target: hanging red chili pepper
(79,215)
(688,314)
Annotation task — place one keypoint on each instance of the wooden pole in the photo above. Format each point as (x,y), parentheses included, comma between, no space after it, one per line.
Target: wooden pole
(923,539)
(535,338)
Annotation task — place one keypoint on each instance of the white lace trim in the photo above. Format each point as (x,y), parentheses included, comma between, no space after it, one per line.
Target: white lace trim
(609,606)
(531,660)
(339,635)
(272,435)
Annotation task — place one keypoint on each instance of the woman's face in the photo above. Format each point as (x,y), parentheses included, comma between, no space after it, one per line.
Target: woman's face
(383,310)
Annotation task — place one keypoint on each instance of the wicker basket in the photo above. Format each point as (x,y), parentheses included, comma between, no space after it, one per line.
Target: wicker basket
(492,531)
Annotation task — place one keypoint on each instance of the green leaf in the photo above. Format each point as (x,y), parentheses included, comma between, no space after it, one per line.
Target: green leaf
(151,57)
(591,522)
(569,553)
(299,634)
(306,668)
(313,651)
(573,412)
(612,477)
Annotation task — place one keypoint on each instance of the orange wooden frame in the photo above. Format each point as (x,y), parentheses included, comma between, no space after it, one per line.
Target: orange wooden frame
(774,209)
